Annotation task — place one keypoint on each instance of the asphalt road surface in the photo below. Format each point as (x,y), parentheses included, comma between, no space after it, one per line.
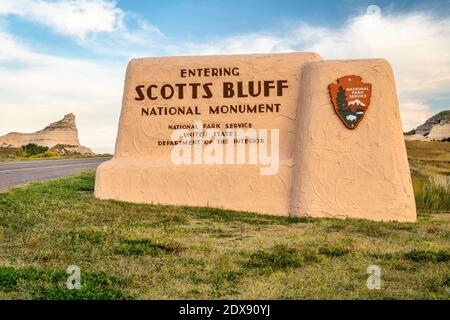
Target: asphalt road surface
(20,172)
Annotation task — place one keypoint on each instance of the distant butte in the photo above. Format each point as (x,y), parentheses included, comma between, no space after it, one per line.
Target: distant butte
(62,134)
(437,128)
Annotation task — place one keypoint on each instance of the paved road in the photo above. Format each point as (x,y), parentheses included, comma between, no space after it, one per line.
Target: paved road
(21,172)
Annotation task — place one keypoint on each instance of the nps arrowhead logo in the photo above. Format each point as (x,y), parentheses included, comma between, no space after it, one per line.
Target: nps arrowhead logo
(350,98)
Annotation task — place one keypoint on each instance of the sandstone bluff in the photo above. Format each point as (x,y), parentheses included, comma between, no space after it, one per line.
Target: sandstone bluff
(61,135)
(437,128)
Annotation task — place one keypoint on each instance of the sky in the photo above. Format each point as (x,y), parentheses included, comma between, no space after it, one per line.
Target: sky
(67,56)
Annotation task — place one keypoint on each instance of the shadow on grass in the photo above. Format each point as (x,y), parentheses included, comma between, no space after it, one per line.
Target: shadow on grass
(51,284)
(146,247)
(428,256)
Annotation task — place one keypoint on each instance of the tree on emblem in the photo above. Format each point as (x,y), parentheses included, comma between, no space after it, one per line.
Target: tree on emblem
(341,99)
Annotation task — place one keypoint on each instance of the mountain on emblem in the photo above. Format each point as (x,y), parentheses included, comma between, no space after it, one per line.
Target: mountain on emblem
(357,103)
(350,98)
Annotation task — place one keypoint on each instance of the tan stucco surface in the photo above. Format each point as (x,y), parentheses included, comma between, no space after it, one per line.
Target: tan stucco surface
(360,173)
(325,169)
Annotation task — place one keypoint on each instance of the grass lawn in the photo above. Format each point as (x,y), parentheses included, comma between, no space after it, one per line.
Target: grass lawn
(134,251)
(137,251)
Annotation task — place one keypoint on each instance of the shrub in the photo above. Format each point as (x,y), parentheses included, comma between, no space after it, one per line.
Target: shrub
(33,149)
(46,154)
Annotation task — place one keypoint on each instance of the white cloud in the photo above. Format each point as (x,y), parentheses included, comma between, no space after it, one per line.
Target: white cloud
(74,18)
(241,44)
(98,25)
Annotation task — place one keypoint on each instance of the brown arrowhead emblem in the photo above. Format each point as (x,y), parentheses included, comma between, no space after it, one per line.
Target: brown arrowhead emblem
(350,98)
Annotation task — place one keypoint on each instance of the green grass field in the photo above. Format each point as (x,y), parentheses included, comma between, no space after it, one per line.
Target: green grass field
(430,170)
(134,251)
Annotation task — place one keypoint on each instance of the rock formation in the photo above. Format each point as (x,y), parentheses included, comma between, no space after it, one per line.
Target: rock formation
(440,132)
(71,149)
(437,128)
(63,132)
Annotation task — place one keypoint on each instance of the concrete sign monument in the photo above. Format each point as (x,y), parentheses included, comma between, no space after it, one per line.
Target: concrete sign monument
(260,133)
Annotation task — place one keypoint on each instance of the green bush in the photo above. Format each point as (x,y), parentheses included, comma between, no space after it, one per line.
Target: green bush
(33,149)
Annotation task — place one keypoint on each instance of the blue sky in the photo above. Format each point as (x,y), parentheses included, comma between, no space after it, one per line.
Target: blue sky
(70,56)
(212,18)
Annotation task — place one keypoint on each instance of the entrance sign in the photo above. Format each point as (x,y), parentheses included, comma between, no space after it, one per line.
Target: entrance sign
(259,133)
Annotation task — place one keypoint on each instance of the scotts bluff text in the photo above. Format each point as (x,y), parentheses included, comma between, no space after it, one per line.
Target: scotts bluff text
(240,89)
(197,90)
